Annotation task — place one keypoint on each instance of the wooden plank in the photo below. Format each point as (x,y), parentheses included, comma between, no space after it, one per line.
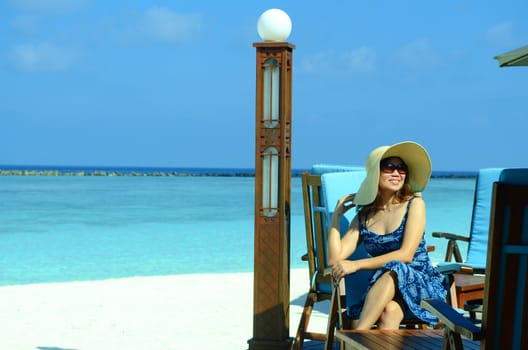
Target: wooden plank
(386,340)
(392,339)
(361,340)
(405,340)
(398,339)
(466,282)
(427,339)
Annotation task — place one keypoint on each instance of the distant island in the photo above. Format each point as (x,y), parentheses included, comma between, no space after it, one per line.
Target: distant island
(165,171)
(118,173)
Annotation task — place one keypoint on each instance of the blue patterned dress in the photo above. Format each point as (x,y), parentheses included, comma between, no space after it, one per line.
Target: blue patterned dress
(417,280)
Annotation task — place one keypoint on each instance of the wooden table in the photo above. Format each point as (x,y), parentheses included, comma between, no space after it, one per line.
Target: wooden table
(397,339)
(468,287)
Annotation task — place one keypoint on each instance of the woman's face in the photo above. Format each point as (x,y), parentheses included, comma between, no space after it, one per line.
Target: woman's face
(393,172)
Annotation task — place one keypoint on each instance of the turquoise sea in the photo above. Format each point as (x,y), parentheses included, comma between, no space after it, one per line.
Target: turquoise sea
(70,228)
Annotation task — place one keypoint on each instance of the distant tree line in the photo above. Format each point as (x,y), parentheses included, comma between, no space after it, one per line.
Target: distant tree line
(111,173)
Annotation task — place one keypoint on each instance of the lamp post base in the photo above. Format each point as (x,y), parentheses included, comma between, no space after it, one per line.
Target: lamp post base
(285,344)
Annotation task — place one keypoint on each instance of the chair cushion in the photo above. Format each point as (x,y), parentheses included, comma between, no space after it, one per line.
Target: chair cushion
(319,169)
(477,248)
(325,288)
(514,176)
(335,186)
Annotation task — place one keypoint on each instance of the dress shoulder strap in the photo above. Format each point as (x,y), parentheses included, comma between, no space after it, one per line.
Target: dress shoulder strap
(408,206)
(409,202)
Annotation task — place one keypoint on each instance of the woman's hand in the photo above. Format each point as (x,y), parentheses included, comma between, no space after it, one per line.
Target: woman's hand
(344,204)
(344,267)
(342,244)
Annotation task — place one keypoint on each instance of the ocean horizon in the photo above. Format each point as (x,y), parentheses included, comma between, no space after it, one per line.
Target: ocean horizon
(168,171)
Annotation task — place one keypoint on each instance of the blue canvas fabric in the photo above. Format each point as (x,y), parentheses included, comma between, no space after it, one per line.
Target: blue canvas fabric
(479,231)
(320,169)
(335,186)
(514,176)
(480,221)
(416,280)
(341,183)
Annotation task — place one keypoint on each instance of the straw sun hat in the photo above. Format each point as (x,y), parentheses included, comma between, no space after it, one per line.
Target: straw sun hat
(413,154)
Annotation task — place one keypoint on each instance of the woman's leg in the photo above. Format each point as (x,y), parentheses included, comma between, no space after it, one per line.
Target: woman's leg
(378,298)
(391,316)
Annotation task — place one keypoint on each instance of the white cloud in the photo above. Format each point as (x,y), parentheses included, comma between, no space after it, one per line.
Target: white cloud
(48,6)
(362,60)
(418,53)
(26,24)
(501,34)
(46,57)
(319,62)
(163,24)
(158,24)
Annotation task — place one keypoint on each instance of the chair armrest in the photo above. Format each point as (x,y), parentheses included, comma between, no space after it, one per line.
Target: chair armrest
(452,246)
(448,235)
(452,319)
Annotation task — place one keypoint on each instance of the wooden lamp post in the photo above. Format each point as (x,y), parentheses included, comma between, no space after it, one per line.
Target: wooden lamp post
(271,302)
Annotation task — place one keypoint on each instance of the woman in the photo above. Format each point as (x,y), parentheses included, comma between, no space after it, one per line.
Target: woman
(390,221)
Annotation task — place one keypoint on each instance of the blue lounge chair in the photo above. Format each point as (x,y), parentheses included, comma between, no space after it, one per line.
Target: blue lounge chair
(475,261)
(321,190)
(504,320)
(478,234)
(316,215)
(335,186)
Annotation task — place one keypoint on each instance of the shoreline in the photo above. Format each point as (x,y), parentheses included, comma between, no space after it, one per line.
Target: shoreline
(195,311)
(185,173)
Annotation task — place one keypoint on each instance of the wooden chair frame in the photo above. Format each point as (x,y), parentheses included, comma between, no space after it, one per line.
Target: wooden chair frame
(505,309)
(314,221)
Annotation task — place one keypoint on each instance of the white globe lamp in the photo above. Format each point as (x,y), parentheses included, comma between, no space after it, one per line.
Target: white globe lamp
(274,25)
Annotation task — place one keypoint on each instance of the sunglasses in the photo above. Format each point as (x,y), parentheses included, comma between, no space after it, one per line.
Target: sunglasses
(388,168)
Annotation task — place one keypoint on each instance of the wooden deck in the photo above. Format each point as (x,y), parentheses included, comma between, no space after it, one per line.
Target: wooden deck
(398,339)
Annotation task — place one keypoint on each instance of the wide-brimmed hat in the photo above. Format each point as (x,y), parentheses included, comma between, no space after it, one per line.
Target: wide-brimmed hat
(413,154)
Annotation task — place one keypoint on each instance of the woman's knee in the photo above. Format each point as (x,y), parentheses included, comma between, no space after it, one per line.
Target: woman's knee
(393,308)
(391,316)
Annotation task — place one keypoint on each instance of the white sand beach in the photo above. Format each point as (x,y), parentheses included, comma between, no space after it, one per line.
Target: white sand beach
(201,311)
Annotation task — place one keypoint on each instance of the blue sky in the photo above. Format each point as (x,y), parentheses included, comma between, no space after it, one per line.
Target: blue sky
(172,83)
